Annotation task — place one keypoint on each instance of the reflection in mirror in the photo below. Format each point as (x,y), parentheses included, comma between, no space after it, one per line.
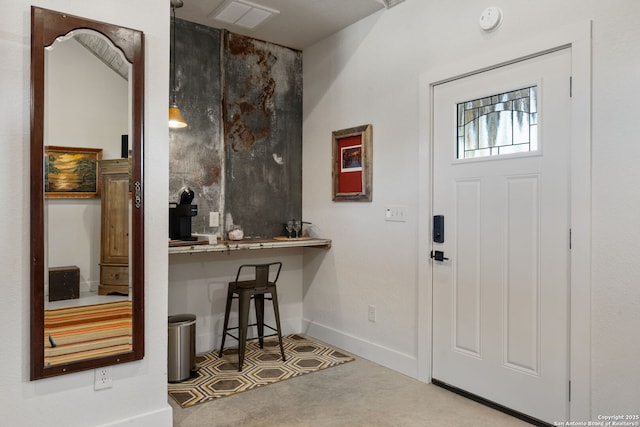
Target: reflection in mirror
(87,275)
(86,199)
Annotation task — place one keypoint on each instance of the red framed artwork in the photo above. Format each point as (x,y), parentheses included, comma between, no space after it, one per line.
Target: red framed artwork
(352,164)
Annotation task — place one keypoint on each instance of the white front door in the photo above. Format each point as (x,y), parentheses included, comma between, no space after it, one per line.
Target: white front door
(500,300)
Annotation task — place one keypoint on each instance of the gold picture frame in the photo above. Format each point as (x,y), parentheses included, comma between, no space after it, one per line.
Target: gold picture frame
(352,164)
(71,172)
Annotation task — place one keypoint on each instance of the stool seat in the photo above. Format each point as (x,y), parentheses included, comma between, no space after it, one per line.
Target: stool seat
(247,284)
(245,291)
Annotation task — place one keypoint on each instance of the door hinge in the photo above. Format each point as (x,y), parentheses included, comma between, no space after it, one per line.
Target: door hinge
(570,242)
(569,391)
(570,86)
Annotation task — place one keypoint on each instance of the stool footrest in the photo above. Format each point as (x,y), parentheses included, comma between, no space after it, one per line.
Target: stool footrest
(254,338)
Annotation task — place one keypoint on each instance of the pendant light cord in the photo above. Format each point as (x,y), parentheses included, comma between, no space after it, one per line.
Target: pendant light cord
(173,56)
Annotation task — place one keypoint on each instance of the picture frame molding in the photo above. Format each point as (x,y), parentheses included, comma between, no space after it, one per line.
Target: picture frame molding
(96,156)
(364,193)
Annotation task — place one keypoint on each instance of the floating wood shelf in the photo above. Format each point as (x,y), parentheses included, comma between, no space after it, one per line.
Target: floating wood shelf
(249,244)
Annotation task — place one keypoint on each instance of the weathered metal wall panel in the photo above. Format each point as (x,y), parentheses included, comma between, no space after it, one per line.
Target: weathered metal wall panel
(196,152)
(262,110)
(241,155)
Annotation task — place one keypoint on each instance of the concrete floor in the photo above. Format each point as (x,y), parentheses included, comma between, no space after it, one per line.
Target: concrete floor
(358,393)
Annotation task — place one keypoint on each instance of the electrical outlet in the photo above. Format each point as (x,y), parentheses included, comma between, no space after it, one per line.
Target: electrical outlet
(214,219)
(372,313)
(395,213)
(103,378)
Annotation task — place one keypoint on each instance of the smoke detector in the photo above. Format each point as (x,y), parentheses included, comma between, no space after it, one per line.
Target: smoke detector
(491,18)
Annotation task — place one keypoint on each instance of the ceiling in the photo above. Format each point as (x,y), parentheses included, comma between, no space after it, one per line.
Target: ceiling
(299,24)
(104,51)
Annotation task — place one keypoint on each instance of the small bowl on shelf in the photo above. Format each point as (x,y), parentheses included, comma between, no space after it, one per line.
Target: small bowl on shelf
(236,233)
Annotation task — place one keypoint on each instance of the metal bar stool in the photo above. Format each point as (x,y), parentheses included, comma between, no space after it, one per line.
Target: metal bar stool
(244,291)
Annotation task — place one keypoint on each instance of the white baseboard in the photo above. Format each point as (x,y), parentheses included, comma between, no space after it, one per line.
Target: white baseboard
(160,418)
(392,359)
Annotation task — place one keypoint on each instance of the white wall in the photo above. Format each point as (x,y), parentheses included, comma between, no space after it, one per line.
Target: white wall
(369,73)
(139,389)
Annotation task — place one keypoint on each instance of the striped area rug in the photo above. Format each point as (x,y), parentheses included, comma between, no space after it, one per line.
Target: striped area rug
(219,377)
(78,333)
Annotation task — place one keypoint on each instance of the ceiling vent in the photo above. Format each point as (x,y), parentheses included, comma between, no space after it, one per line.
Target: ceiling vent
(390,3)
(243,13)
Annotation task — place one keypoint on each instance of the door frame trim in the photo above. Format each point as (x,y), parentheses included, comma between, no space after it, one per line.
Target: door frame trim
(578,38)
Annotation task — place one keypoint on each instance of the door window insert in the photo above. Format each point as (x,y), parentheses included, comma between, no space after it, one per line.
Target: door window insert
(500,124)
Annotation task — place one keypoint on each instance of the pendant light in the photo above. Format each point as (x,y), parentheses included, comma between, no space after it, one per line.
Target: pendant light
(175,117)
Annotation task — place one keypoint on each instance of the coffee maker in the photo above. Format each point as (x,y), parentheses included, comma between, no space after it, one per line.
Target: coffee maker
(180,215)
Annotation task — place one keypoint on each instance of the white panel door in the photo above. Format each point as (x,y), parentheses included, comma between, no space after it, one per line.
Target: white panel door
(500,302)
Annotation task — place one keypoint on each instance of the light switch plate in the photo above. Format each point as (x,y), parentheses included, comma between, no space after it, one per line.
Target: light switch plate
(396,213)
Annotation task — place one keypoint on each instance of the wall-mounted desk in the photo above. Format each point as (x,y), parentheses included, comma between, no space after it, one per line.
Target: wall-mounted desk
(198,279)
(185,247)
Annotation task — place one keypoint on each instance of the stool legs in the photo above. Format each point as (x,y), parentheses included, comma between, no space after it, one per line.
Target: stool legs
(244,302)
(243,318)
(276,312)
(227,310)
(259,303)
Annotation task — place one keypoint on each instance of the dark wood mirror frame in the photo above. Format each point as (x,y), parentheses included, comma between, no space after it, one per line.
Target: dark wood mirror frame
(46,26)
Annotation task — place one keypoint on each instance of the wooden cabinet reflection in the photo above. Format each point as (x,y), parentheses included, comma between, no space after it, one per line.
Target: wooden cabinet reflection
(114,226)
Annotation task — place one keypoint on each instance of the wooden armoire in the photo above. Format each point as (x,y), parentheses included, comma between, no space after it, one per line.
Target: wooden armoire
(114,227)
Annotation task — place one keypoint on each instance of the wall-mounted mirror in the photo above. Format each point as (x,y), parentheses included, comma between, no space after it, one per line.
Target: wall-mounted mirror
(87,250)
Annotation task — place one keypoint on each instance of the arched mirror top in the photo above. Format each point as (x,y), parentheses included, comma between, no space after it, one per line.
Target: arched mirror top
(52,25)
(107,177)
(100,46)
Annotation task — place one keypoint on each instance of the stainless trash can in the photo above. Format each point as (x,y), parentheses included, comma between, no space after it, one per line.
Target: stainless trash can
(182,347)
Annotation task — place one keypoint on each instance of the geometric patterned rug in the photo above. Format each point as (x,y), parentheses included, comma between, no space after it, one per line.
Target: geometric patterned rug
(219,377)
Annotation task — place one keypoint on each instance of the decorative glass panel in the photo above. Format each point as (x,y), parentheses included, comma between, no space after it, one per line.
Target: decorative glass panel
(500,124)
